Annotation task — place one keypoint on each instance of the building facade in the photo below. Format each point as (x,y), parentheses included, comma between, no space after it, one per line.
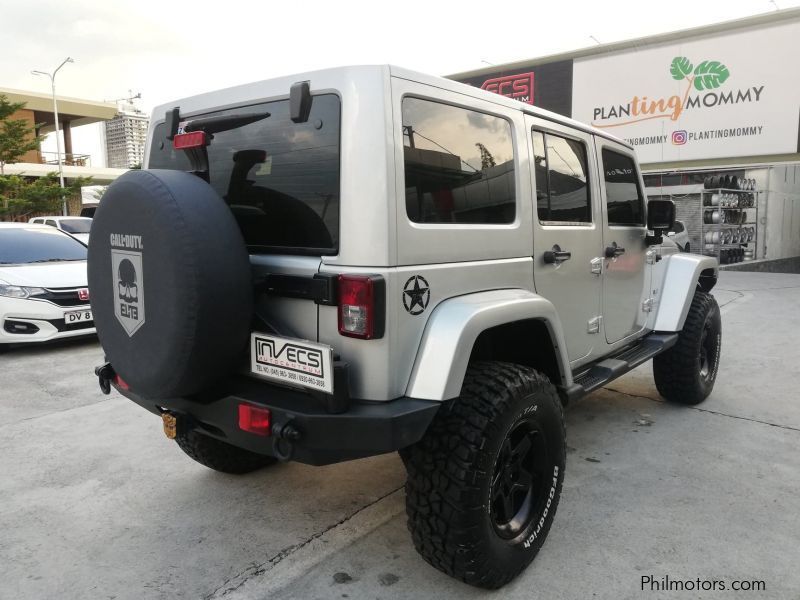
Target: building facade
(709,110)
(126,137)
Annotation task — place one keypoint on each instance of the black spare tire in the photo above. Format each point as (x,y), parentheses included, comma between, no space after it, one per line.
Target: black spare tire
(170,283)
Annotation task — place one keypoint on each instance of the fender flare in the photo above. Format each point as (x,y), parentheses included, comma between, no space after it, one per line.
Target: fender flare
(456,323)
(682,273)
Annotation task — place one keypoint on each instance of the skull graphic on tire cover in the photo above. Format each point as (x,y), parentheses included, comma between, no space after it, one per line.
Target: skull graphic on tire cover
(128,290)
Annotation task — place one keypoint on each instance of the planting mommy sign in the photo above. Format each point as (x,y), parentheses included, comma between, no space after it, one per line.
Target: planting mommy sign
(714,97)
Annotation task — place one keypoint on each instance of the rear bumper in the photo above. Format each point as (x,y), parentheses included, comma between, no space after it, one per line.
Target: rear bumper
(364,429)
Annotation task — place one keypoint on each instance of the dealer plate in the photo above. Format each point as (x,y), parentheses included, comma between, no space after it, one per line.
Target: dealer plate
(298,362)
(77,316)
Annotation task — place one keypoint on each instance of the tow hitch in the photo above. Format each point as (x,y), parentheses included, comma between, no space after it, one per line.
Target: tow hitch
(105,374)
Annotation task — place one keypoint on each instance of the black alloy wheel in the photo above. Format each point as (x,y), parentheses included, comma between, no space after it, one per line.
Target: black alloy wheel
(519,481)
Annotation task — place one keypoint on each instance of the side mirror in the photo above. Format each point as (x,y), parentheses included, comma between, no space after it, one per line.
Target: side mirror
(661,215)
(660,219)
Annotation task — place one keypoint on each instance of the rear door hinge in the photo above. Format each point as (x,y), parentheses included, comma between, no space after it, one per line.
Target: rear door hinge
(649,304)
(594,325)
(651,257)
(596,265)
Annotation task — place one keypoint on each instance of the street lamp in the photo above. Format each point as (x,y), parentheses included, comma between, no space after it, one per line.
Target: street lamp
(52,77)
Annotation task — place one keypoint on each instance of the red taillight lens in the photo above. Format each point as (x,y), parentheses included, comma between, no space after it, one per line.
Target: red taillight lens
(254,419)
(360,306)
(185,141)
(121,383)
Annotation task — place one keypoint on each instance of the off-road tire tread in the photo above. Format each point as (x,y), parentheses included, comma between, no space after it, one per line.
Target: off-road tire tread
(675,370)
(219,455)
(442,495)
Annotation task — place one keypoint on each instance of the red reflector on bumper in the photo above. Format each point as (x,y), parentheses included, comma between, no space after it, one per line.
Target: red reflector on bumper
(254,419)
(121,383)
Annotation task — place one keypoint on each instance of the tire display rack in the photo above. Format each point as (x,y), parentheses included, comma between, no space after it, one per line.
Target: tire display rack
(729,224)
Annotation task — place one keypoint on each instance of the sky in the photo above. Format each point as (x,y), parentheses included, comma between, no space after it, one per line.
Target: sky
(167,49)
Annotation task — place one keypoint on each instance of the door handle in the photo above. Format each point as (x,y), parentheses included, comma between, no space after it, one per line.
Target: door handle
(614,251)
(556,255)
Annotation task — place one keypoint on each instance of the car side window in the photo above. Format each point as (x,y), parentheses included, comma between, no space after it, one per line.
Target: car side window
(624,199)
(50,222)
(562,185)
(459,165)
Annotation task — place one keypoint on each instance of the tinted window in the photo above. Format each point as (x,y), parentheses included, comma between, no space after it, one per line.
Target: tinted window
(459,165)
(281,179)
(540,168)
(76,225)
(562,187)
(50,222)
(37,244)
(623,196)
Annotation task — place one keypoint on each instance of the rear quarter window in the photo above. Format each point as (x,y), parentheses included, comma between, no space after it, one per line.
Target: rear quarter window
(459,165)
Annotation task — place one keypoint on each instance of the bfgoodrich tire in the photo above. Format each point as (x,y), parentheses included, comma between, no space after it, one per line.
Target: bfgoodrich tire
(484,483)
(686,372)
(220,456)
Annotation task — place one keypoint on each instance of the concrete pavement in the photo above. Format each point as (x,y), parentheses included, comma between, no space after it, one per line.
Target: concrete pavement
(96,503)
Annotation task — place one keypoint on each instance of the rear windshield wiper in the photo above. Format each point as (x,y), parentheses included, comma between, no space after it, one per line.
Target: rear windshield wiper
(213,125)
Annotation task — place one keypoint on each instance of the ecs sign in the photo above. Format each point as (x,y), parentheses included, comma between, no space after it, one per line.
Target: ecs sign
(519,87)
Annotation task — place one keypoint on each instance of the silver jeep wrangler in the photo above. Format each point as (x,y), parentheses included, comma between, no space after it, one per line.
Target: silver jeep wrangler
(363,260)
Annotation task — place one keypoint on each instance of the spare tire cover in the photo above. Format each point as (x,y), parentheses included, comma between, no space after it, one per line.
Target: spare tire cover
(170,283)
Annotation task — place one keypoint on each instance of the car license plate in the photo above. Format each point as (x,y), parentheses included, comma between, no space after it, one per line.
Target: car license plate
(292,361)
(77,316)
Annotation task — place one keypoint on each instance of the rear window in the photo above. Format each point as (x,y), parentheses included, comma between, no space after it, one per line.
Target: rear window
(20,245)
(562,186)
(288,200)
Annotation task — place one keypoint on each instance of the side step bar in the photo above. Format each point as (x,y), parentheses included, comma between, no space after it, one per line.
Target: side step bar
(615,366)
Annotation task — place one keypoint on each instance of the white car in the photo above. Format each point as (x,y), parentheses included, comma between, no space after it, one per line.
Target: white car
(680,236)
(43,289)
(78,227)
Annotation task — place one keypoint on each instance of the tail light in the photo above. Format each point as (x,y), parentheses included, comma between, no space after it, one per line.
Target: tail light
(362,302)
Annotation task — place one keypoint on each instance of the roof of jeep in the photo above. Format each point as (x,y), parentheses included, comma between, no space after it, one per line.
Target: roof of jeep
(255,91)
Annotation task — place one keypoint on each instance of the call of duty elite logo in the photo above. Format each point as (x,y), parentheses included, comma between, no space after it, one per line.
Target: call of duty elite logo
(126,266)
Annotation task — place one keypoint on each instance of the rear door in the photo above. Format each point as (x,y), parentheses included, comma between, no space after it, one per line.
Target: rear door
(567,232)
(627,275)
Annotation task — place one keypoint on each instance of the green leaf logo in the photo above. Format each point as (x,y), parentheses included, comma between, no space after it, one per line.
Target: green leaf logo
(681,67)
(709,75)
